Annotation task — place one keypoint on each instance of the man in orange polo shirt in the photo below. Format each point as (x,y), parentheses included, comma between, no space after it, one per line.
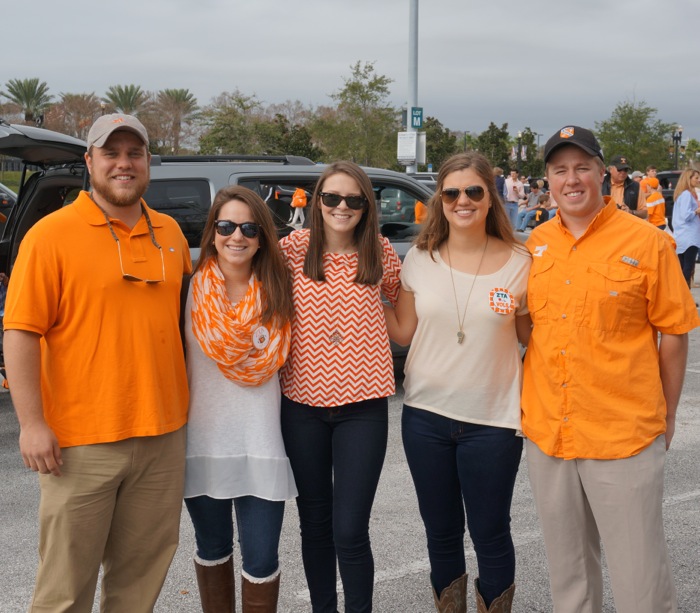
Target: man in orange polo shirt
(603,375)
(97,375)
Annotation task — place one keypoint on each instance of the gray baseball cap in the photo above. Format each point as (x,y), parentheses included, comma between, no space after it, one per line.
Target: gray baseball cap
(105,125)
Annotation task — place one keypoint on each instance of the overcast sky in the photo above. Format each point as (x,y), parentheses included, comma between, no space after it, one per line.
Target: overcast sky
(542,64)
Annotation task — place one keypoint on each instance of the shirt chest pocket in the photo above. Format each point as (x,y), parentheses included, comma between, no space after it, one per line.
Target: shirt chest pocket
(538,289)
(614,295)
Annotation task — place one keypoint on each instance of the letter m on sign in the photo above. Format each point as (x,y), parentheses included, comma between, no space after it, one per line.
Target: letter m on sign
(416,117)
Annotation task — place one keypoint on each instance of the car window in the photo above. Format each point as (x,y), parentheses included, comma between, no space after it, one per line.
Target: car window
(186,200)
(396,204)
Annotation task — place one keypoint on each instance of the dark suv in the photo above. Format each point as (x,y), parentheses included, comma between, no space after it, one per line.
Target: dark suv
(183,187)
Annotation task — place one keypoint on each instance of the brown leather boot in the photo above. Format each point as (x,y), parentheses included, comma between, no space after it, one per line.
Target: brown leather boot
(453,598)
(260,597)
(216,587)
(502,604)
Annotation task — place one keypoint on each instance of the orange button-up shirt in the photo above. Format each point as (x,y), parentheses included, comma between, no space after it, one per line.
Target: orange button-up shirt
(591,382)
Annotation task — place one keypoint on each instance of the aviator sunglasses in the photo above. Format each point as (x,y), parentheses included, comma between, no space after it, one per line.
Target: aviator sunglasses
(333,200)
(249,229)
(473,192)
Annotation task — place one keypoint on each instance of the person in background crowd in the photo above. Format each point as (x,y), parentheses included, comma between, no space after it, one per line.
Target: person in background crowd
(686,221)
(462,307)
(500,183)
(543,208)
(237,331)
(337,380)
(624,191)
(656,203)
(95,362)
(605,295)
(636,176)
(529,203)
(421,212)
(514,191)
(298,204)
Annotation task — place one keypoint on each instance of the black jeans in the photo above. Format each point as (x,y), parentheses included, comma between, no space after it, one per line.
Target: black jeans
(454,465)
(687,259)
(337,454)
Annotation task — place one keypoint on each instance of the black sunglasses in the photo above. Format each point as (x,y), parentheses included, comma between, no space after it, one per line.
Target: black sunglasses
(333,200)
(473,192)
(249,229)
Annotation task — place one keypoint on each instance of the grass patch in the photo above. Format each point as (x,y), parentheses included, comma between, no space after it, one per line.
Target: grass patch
(11,179)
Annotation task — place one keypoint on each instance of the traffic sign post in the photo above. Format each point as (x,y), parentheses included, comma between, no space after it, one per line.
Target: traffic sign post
(417,117)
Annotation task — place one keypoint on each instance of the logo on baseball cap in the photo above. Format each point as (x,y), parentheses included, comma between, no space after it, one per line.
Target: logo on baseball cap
(573,135)
(620,162)
(107,124)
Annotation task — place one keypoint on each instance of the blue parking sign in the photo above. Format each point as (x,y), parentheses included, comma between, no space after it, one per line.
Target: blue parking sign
(416,116)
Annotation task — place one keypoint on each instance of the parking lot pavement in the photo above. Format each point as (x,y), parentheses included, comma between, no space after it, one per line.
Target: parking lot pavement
(398,539)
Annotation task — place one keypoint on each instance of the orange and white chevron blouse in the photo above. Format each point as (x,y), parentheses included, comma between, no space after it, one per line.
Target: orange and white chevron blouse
(340,350)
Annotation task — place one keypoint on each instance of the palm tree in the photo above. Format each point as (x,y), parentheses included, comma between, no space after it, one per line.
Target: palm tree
(30,95)
(179,105)
(127,99)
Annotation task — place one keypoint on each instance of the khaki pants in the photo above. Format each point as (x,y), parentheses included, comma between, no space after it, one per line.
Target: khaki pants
(580,503)
(116,504)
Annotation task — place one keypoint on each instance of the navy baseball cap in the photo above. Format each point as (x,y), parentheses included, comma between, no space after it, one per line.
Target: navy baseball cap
(573,135)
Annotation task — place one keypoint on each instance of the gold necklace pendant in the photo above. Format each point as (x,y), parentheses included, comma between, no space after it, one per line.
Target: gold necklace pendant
(460,321)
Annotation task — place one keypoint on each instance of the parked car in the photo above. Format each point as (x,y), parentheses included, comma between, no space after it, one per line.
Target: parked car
(7,197)
(667,181)
(184,187)
(7,201)
(428,178)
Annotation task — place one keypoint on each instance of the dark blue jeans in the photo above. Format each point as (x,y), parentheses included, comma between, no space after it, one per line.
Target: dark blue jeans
(687,260)
(259,524)
(455,465)
(337,455)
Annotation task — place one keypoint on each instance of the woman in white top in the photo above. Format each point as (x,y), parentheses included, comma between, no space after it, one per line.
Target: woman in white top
(237,331)
(462,306)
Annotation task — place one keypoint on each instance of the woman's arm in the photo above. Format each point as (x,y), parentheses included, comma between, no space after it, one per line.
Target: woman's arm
(401,321)
(523,328)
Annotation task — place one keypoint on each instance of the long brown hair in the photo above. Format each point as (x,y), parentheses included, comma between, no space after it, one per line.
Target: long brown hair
(684,183)
(268,264)
(436,229)
(366,233)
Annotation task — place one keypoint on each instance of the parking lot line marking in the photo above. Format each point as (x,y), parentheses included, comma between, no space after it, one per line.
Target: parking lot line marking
(680,498)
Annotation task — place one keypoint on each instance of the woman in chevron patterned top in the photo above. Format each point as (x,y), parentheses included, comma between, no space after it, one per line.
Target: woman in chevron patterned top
(237,331)
(336,382)
(463,308)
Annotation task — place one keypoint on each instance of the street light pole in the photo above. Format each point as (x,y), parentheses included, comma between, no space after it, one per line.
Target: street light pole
(519,152)
(677,136)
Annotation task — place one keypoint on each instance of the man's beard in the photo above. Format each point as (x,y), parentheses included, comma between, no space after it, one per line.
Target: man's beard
(120,197)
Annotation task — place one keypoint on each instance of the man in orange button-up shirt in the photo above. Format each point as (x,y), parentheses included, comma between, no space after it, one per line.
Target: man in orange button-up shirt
(603,375)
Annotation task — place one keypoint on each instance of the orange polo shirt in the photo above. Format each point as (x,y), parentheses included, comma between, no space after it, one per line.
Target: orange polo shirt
(112,365)
(591,384)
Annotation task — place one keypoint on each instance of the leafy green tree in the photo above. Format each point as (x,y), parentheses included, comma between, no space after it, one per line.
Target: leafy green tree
(440,143)
(31,95)
(494,143)
(231,125)
(634,131)
(74,114)
(127,99)
(281,138)
(691,155)
(531,162)
(364,125)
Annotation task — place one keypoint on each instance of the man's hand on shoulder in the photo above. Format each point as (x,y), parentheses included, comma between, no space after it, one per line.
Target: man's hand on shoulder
(39,448)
